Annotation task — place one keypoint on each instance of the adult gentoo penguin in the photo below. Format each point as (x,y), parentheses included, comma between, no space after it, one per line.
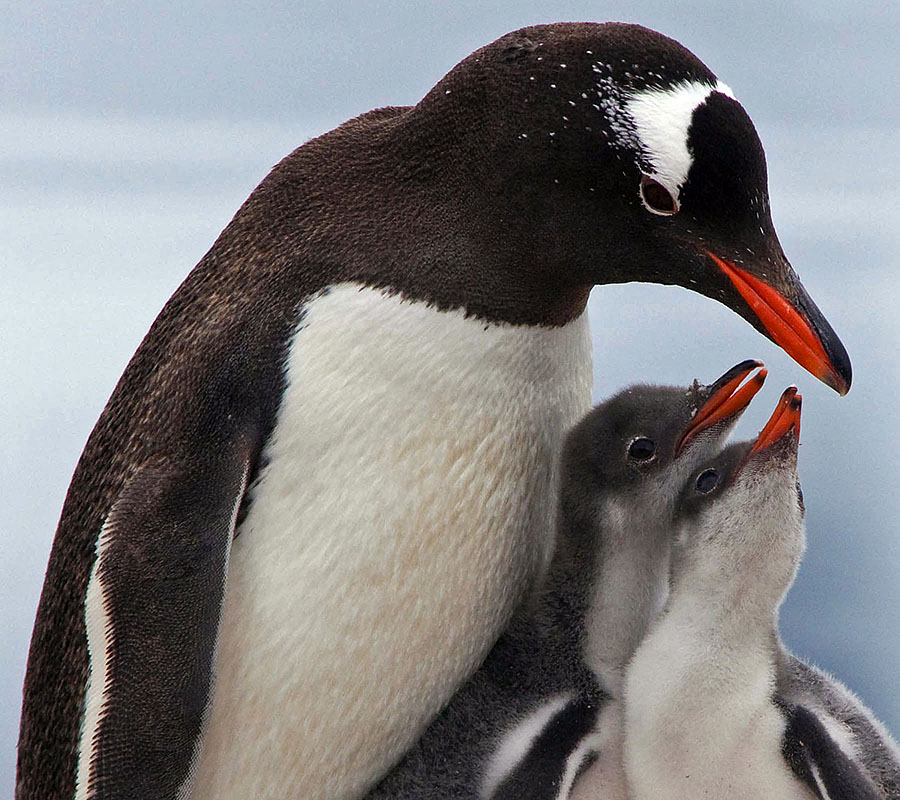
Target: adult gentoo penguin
(351,408)
(715,706)
(543,700)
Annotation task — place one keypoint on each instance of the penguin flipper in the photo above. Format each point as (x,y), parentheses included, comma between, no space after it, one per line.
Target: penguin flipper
(152,611)
(553,761)
(820,762)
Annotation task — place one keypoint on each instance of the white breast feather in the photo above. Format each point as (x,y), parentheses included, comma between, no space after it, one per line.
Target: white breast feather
(700,721)
(407,502)
(699,726)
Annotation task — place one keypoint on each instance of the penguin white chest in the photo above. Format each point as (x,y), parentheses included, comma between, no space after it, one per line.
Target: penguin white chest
(406,502)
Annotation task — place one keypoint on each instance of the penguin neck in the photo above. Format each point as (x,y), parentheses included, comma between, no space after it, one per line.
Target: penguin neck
(699,693)
(628,588)
(730,579)
(730,612)
(710,657)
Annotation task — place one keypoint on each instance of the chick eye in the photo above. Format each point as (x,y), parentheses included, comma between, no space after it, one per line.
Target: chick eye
(707,481)
(642,448)
(656,197)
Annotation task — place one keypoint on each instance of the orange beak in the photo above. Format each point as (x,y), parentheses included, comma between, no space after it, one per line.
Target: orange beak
(726,400)
(785,418)
(792,330)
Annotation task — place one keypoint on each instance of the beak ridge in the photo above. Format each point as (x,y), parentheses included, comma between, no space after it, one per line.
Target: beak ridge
(784,419)
(799,328)
(726,401)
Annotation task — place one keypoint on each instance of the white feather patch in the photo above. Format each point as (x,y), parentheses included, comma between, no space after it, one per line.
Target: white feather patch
(517,741)
(662,118)
(817,777)
(588,745)
(99,640)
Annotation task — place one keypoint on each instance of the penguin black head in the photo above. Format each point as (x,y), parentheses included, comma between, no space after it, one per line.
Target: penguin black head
(640,445)
(744,506)
(604,153)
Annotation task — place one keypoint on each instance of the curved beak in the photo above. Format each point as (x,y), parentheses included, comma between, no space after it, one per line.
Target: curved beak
(726,402)
(799,328)
(784,420)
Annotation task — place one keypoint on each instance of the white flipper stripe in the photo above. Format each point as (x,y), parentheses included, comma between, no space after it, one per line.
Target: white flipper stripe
(590,744)
(517,741)
(99,637)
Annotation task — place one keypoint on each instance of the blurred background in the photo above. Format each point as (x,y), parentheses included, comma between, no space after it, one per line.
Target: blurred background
(131,132)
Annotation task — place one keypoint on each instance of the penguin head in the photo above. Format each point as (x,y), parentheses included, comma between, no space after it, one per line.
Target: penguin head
(604,153)
(744,507)
(636,449)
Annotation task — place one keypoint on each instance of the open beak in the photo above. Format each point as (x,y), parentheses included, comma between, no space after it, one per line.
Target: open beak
(785,419)
(800,329)
(726,401)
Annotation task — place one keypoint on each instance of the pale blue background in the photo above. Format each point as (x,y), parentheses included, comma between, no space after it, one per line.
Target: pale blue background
(131,132)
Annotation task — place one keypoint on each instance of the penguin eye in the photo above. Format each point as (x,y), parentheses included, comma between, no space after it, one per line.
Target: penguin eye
(707,481)
(656,197)
(642,449)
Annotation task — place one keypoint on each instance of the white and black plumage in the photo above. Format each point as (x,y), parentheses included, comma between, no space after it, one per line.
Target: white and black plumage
(714,704)
(545,699)
(351,409)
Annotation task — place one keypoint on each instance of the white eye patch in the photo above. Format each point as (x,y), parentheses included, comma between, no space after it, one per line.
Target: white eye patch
(661,120)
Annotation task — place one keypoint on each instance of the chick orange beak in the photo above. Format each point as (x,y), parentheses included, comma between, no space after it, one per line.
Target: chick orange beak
(806,337)
(726,399)
(784,419)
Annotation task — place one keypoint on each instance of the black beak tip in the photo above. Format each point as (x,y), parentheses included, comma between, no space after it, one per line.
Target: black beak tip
(842,369)
(744,368)
(840,375)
